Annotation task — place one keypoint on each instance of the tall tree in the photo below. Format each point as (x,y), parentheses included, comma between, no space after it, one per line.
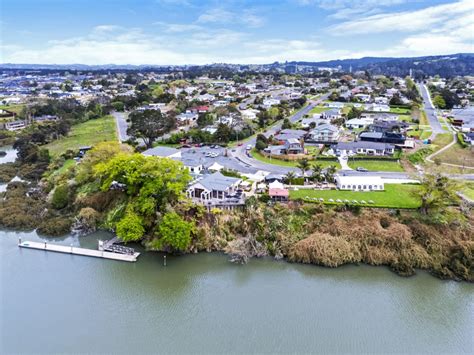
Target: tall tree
(303,165)
(317,172)
(149,125)
(329,174)
(437,192)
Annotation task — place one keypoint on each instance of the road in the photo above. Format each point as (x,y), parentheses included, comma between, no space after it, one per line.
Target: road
(122,125)
(430,110)
(240,153)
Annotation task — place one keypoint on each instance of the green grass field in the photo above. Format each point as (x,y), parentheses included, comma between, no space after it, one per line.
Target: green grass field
(292,164)
(394,196)
(468,191)
(85,134)
(402,111)
(13,108)
(376,165)
(318,109)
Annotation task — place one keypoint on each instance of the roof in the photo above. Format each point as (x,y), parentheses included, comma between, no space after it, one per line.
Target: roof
(278,192)
(218,182)
(377,135)
(324,127)
(363,144)
(161,151)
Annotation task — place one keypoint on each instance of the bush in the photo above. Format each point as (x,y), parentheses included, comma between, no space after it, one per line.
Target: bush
(55,226)
(60,197)
(461,140)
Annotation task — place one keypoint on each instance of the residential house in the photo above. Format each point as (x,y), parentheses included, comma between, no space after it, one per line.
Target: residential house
(383,137)
(331,114)
(186,118)
(213,187)
(286,134)
(363,148)
(15,125)
(378,108)
(325,133)
(357,123)
(279,194)
(163,152)
(359,183)
(388,126)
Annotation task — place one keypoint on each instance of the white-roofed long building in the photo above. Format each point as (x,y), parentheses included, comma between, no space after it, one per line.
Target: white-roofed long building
(359,183)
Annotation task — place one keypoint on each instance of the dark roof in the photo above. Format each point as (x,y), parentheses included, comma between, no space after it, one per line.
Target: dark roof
(217,182)
(363,144)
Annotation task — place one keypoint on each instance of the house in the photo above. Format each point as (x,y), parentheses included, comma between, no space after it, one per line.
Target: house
(279,194)
(325,133)
(356,123)
(378,108)
(332,114)
(363,148)
(383,137)
(359,183)
(463,118)
(15,125)
(293,146)
(213,187)
(163,152)
(308,122)
(267,103)
(286,134)
(388,126)
(186,118)
(200,109)
(249,114)
(469,138)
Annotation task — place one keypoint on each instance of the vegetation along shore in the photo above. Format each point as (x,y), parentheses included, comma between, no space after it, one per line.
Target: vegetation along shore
(143,200)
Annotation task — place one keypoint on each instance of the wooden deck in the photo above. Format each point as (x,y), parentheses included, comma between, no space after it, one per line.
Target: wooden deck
(78,251)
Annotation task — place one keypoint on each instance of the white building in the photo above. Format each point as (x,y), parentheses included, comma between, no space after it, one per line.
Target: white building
(359,183)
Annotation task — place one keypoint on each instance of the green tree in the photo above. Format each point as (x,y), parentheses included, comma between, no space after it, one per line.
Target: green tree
(149,125)
(317,172)
(60,197)
(289,177)
(286,124)
(329,174)
(223,133)
(303,165)
(118,106)
(151,182)
(157,91)
(439,102)
(174,233)
(130,227)
(436,193)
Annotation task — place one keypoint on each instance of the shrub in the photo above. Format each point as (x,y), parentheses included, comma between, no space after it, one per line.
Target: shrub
(60,197)
(55,226)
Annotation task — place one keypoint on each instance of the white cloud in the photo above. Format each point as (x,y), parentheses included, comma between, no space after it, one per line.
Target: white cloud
(178,27)
(222,16)
(407,21)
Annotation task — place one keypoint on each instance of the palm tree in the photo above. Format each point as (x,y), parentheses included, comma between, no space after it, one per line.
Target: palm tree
(330,171)
(304,165)
(317,171)
(290,176)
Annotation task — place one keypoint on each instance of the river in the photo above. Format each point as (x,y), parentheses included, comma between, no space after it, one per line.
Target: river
(59,303)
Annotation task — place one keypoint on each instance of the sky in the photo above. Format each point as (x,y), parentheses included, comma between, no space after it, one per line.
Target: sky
(172,32)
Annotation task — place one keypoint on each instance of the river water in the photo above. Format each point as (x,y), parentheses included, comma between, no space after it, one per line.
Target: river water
(58,303)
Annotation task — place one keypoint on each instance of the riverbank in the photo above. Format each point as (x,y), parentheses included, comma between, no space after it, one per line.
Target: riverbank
(82,197)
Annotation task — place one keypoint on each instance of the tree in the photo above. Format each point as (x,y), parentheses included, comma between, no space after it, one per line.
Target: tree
(329,174)
(436,193)
(290,176)
(149,125)
(173,233)
(317,172)
(439,102)
(286,124)
(304,165)
(222,133)
(118,106)
(60,197)
(130,227)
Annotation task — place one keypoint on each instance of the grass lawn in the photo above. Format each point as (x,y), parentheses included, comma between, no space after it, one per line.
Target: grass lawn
(458,155)
(423,119)
(468,191)
(292,164)
(402,111)
(376,165)
(85,134)
(442,140)
(13,108)
(318,109)
(394,196)
(405,118)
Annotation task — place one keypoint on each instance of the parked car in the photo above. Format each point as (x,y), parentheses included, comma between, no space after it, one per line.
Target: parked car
(362,170)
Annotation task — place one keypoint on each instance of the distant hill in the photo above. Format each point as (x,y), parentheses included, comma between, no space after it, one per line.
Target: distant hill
(443,65)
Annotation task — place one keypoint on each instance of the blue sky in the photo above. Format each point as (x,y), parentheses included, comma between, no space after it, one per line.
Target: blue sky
(239,31)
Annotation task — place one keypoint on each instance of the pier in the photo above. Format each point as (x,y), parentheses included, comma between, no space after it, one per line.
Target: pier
(131,257)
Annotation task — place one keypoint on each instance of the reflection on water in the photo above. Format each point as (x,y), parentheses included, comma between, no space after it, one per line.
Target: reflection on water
(11,154)
(202,303)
